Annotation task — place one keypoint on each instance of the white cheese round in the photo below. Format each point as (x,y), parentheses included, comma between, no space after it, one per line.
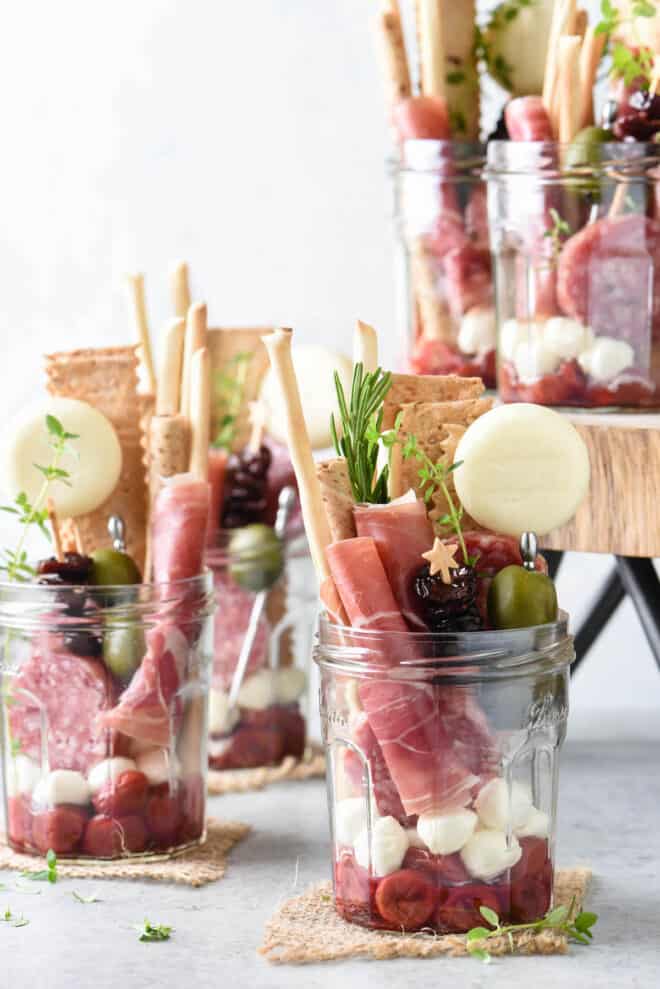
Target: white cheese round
(487,854)
(389,846)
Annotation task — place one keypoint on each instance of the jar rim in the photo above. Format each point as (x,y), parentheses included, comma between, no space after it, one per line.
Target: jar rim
(554,159)
(461,656)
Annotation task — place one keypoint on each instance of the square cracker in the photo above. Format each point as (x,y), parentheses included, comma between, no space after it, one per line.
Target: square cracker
(437,427)
(428,388)
(225,344)
(337,497)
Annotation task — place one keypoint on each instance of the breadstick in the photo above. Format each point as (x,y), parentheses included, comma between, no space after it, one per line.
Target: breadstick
(278,345)
(168,393)
(200,413)
(195,339)
(365,346)
(580,22)
(563,13)
(258,416)
(180,289)
(590,56)
(434,315)
(431,49)
(135,284)
(55,528)
(169,448)
(395,60)
(569,91)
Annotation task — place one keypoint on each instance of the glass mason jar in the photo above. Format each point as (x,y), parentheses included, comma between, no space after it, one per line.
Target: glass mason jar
(269,719)
(104,708)
(444,265)
(575,233)
(443,759)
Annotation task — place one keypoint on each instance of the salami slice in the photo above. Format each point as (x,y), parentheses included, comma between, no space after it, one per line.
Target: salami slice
(57,697)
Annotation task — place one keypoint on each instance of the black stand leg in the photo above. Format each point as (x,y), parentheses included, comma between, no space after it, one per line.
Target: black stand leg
(604,607)
(554,558)
(641,584)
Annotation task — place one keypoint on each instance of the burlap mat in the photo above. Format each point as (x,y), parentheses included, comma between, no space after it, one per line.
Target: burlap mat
(192,867)
(241,780)
(308,929)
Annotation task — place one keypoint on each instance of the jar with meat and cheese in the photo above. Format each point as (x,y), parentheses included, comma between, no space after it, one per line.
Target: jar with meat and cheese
(266,606)
(453,806)
(575,233)
(104,712)
(444,279)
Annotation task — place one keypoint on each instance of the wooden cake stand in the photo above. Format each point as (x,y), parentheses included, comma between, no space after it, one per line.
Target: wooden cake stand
(621,517)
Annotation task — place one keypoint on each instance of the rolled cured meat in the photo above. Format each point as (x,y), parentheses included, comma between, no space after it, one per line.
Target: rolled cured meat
(527,119)
(217,471)
(402,532)
(179,523)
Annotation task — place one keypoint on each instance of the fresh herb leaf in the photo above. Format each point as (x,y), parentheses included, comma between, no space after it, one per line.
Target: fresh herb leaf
(13,921)
(490,916)
(49,874)
(85,899)
(436,475)
(557,919)
(153,932)
(557,234)
(480,954)
(477,933)
(230,397)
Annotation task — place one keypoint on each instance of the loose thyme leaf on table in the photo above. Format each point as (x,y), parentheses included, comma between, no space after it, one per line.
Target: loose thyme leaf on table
(153,932)
(557,919)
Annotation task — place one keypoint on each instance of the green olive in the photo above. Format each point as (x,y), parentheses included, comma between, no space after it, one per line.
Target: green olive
(256,557)
(584,149)
(123,647)
(520,598)
(110,566)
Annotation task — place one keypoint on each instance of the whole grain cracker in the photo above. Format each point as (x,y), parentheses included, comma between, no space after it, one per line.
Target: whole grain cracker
(225,344)
(308,929)
(408,388)
(337,497)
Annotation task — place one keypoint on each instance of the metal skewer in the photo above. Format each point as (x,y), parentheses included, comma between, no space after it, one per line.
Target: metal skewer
(117,531)
(285,504)
(529,550)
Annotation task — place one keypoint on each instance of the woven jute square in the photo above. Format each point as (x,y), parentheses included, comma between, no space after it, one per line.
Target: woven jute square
(307,929)
(311,766)
(194,866)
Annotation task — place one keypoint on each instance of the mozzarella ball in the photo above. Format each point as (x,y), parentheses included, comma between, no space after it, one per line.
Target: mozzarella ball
(389,846)
(258,691)
(222,716)
(290,684)
(217,747)
(487,854)
(158,766)
(21,776)
(444,834)
(533,359)
(62,786)
(537,825)
(478,330)
(350,819)
(414,839)
(498,805)
(108,770)
(514,332)
(567,337)
(607,358)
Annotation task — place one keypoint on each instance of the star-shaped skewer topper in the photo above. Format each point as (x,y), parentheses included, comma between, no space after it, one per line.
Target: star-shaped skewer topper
(441,560)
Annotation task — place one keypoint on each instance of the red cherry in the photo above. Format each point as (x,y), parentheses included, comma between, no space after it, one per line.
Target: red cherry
(533,859)
(193,808)
(439,869)
(123,796)
(351,880)
(460,911)
(60,829)
(19,821)
(110,837)
(405,900)
(530,899)
(163,818)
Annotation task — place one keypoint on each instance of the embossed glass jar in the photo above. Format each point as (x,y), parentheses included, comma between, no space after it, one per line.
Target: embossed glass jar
(443,761)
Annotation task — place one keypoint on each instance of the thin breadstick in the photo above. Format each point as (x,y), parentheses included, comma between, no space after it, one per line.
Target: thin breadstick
(80,546)
(590,56)
(434,314)
(200,413)
(563,13)
(433,71)
(569,92)
(168,393)
(258,416)
(278,345)
(365,346)
(655,76)
(395,60)
(180,289)
(581,22)
(618,204)
(135,284)
(55,528)
(195,339)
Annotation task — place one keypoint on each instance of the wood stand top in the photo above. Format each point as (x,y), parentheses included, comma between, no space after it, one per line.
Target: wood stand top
(621,513)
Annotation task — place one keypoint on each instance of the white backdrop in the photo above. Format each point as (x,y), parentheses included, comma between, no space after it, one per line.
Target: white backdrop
(248,138)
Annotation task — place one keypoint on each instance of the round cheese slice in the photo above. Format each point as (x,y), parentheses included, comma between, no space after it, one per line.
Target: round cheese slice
(314,367)
(523,468)
(93,460)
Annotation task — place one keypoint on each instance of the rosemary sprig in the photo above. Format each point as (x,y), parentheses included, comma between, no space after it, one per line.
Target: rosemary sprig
(557,919)
(230,396)
(434,477)
(360,436)
(14,562)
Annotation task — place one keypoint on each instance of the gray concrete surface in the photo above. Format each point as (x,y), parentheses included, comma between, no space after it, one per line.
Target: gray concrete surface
(609,819)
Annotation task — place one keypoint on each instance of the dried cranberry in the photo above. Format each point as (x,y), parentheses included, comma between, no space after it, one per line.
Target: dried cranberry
(639,117)
(73,569)
(449,607)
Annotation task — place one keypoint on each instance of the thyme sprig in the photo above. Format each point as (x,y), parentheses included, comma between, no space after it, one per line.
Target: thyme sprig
(14,562)
(627,63)
(557,234)
(230,396)
(558,919)
(360,435)
(434,476)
